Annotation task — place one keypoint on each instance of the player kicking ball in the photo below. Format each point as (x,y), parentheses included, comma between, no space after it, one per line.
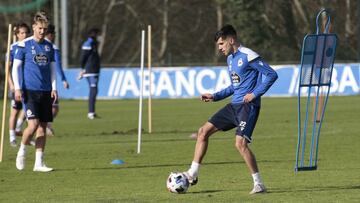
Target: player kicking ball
(245,69)
(38,87)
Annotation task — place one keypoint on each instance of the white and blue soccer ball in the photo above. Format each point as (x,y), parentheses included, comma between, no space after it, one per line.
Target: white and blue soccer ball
(177,183)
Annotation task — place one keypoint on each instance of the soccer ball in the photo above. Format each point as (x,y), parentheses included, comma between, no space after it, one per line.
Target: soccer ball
(177,182)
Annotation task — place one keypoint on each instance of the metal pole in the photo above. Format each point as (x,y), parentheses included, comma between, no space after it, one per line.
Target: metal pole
(56,21)
(141,88)
(64,36)
(150,79)
(358,29)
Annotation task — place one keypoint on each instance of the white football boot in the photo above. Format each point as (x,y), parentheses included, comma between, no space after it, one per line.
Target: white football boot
(20,162)
(258,188)
(192,180)
(50,132)
(42,168)
(13,143)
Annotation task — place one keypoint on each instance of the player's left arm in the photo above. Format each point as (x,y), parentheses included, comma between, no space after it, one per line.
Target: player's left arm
(270,76)
(59,68)
(10,80)
(19,58)
(54,93)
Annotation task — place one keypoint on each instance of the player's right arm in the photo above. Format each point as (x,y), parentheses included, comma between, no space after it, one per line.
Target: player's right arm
(85,53)
(10,81)
(223,93)
(54,93)
(19,56)
(17,64)
(59,68)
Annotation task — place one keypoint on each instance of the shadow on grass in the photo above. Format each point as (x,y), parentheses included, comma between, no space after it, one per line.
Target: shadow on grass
(314,189)
(205,191)
(186,137)
(134,131)
(125,166)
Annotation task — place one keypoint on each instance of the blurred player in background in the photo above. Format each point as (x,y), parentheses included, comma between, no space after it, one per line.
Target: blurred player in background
(50,36)
(245,69)
(21,31)
(90,67)
(37,89)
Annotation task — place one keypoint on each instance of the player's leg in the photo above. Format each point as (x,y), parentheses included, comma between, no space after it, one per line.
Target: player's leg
(93,84)
(39,165)
(20,120)
(40,139)
(55,111)
(27,134)
(250,160)
(15,109)
(200,150)
(203,140)
(247,118)
(12,123)
(45,116)
(221,120)
(249,157)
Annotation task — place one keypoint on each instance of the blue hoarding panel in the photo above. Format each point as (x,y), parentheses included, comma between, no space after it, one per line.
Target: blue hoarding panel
(190,82)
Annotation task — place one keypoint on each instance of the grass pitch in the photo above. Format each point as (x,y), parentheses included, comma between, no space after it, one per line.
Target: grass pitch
(82,150)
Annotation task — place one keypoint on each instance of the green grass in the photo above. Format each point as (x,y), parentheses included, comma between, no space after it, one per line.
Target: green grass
(82,151)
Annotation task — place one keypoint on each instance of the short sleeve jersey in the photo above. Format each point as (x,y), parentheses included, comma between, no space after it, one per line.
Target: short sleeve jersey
(36,58)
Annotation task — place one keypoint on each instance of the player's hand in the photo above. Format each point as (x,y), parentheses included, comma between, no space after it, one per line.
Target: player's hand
(207,97)
(248,97)
(54,95)
(18,95)
(66,84)
(81,75)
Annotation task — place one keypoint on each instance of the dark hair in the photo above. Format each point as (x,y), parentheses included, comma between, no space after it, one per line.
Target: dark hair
(21,25)
(93,32)
(226,31)
(50,29)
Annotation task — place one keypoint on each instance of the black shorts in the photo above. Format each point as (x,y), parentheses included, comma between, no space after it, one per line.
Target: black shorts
(15,104)
(243,116)
(37,105)
(54,102)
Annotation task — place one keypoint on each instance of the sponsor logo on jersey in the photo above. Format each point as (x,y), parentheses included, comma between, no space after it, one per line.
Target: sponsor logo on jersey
(47,48)
(41,59)
(235,78)
(240,62)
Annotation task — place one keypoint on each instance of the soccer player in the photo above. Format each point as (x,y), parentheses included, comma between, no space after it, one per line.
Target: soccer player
(50,36)
(90,67)
(21,32)
(37,88)
(245,69)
